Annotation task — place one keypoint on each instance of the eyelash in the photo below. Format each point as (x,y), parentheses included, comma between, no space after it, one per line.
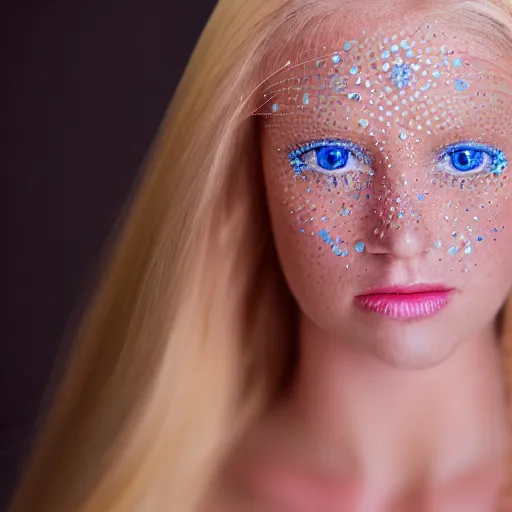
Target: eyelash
(489,158)
(296,156)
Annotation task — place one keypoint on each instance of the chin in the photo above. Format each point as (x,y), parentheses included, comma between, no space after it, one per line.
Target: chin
(407,345)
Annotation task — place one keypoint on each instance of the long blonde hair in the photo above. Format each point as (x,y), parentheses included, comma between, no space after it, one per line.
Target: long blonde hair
(189,335)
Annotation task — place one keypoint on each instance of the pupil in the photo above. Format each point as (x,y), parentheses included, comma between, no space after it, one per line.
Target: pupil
(334,156)
(463,159)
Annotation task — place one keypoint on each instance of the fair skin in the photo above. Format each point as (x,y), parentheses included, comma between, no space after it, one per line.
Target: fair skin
(388,412)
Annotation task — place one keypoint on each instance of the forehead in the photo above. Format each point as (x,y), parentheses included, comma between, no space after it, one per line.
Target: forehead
(395,75)
(476,28)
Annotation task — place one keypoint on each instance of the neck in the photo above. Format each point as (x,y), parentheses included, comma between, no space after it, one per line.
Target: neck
(388,423)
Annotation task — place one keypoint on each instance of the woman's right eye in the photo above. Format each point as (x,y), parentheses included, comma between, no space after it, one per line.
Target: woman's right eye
(329,157)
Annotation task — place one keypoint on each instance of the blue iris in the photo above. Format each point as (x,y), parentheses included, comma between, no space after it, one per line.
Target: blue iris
(331,158)
(465,160)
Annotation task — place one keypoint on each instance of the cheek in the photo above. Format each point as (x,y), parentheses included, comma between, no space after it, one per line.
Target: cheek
(469,218)
(322,283)
(318,270)
(315,215)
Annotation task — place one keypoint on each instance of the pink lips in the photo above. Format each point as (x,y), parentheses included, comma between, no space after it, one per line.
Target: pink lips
(405,303)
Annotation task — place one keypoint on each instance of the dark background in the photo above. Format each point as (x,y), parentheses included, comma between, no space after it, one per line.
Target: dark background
(83,90)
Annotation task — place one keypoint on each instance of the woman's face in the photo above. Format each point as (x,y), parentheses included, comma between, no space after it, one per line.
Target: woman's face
(385,155)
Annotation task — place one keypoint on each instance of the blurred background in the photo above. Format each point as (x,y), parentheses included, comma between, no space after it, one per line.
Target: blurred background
(83,90)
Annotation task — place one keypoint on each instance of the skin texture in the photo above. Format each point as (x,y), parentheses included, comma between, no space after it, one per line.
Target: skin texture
(386,414)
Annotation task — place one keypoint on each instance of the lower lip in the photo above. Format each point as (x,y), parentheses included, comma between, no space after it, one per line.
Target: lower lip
(405,306)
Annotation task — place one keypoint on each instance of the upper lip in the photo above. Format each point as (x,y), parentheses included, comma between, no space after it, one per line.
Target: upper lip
(408,289)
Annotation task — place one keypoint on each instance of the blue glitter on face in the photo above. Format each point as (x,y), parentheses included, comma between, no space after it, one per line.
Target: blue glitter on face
(453,250)
(354,70)
(385,54)
(324,235)
(409,54)
(473,157)
(305,99)
(331,155)
(275,107)
(499,162)
(480,238)
(420,197)
(359,246)
(336,58)
(347,46)
(457,62)
(354,96)
(401,74)
(336,250)
(461,85)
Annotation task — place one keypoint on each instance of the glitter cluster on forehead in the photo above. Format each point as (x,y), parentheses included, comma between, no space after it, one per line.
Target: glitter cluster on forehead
(392,96)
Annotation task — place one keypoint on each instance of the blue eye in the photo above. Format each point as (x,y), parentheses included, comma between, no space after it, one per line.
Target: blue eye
(329,156)
(332,158)
(467,159)
(471,158)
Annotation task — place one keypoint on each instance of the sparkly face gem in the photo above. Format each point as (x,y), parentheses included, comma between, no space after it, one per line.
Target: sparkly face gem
(401,75)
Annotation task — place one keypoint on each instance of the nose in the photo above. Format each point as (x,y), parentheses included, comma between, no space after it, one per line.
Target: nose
(399,225)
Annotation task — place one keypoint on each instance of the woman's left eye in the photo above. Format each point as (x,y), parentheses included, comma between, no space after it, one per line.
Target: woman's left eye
(471,158)
(330,157)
